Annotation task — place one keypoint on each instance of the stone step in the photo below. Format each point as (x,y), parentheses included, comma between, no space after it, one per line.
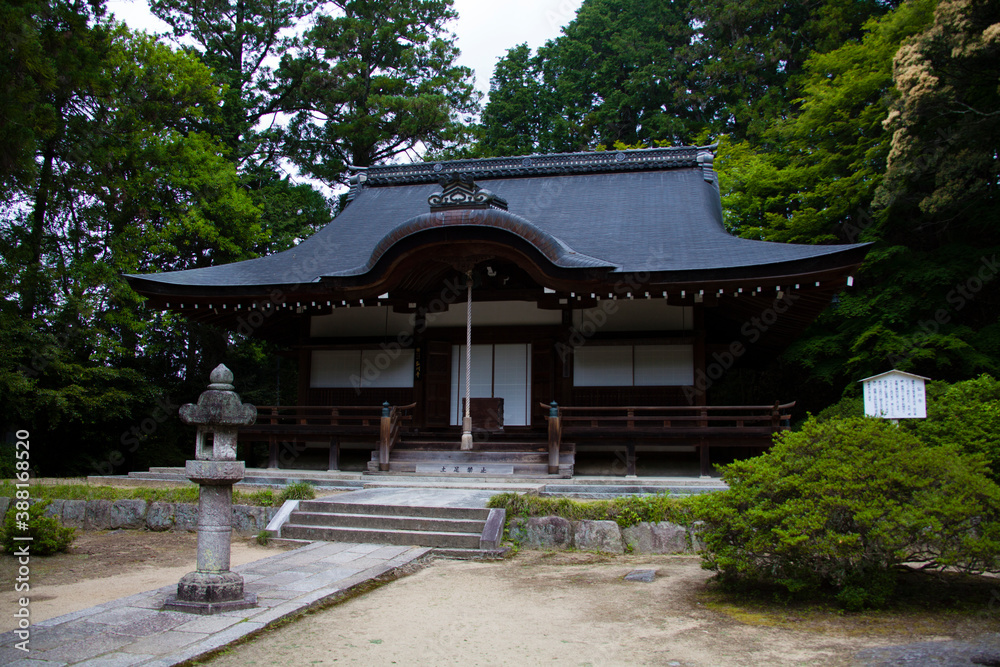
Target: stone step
(288,542)
(345,477)
(376,536)
(333,507)
(519,469)
(481,445)
(472,457)
(387,522)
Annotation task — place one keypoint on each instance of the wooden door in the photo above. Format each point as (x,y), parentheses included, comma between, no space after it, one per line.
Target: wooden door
(437,383)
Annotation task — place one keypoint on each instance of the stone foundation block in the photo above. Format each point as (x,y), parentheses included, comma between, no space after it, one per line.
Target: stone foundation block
(543,532)
(74,513)
(160,516)
(130,514)
(249,519)
(603,536)
(98,515)
(662,537)
(54,509)
(185,517)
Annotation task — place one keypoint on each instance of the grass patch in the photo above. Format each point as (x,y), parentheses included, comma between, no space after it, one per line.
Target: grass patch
(185,494)
(626,511)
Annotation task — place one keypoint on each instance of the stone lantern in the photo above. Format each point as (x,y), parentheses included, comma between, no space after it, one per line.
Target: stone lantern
(212,588)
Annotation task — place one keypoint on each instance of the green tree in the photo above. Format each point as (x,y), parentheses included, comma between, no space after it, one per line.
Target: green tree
(943,167)
(376,80)
(966,415)
(620,72)
(749,55)
(240,41)
(515,120)
(814,178)
(139,187)
(27,77)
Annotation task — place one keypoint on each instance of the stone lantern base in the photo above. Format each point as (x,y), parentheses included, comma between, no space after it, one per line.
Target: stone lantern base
(210,593)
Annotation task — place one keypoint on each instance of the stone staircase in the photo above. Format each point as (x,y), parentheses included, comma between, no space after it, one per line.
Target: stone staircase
(512,458)
(452,532)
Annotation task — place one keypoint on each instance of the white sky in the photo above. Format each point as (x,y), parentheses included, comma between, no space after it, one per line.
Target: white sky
(485,28)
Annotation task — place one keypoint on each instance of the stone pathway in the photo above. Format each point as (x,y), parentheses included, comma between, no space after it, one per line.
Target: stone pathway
(133,630)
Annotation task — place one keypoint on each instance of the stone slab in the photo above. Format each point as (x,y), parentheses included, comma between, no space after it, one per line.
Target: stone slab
(662,537)
(603,536)
(645,576)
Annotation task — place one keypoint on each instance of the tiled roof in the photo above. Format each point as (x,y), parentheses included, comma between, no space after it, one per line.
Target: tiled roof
(655,210)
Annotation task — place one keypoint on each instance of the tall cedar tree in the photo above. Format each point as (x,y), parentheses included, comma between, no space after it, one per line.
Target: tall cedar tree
(240,40)
(645,72)
(619,73)
(377,80)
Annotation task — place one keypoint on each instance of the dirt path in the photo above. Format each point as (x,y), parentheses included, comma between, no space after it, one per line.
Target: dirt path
(537,608)
(560,609)
(102,566)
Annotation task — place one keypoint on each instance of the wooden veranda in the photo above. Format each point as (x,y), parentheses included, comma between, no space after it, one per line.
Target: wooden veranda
(386,426)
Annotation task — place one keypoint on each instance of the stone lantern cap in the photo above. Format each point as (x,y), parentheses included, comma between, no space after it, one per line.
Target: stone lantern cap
(220,405)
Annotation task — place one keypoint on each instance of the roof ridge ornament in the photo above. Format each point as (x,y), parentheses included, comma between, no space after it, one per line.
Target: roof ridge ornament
(706,158)
(460,191)
(356,181)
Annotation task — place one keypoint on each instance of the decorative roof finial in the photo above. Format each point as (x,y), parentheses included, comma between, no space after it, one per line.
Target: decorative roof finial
(461,191)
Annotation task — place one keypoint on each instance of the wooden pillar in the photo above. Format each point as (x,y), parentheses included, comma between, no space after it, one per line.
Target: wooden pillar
(272,452)
(564,360)
(630,459)
(706,464)
(334,463)
(385,437)
(555,438)
(700,354)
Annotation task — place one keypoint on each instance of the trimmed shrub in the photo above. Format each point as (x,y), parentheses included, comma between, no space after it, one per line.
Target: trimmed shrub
(840,506)
(965,414)
(48,535)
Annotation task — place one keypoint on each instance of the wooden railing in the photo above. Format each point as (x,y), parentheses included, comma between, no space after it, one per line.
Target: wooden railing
(389,428)
(700,422)
(328,422)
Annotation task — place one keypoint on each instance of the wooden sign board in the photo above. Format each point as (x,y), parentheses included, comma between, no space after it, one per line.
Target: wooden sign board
(895,395)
